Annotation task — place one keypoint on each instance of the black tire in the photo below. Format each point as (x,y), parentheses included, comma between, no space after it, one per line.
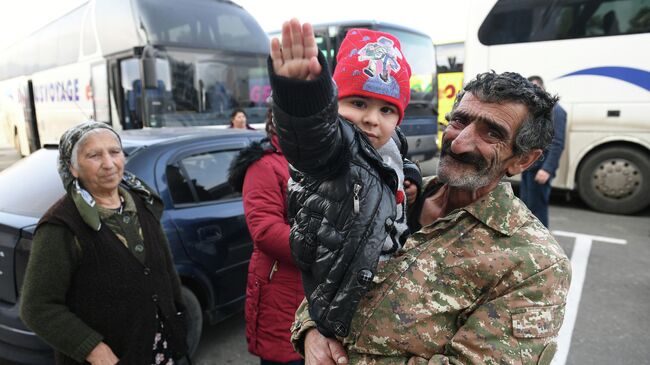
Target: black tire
(616,180)
(193,319)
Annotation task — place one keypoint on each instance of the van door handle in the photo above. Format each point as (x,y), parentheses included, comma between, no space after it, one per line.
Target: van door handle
(613,113)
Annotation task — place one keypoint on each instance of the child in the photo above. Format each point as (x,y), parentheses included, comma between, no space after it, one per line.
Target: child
(346,202)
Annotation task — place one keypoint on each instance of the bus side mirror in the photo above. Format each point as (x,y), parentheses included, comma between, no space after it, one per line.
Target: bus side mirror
(148,66)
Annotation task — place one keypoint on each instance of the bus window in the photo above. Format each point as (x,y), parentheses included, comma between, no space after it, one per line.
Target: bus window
(521,21)
(157,102)
(196,89)
(130,71)
(201,24)
(88,41)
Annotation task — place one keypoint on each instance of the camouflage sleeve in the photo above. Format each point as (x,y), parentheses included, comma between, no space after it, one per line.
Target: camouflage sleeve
(301,325)
(518,327)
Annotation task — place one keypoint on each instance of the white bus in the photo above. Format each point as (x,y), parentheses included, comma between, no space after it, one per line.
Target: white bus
(595,54)
(133,64)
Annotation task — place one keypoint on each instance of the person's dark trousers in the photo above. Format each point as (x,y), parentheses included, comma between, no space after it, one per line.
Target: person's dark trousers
(296,362)
(536,196)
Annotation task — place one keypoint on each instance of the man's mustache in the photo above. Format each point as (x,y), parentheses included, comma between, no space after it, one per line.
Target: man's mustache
(469,158)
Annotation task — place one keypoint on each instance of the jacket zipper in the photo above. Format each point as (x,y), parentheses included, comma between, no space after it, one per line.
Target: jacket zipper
(274,268)
(357,189)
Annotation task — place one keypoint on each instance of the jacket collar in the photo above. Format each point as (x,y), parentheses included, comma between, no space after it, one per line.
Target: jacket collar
(500,210)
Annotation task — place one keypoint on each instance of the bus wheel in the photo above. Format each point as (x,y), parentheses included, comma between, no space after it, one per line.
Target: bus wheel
(193,319)
(616,180)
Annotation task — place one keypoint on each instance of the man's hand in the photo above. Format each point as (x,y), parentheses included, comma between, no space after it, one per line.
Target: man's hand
(102,355)
(297,58)
(411,191)
(541,177)
(320,350)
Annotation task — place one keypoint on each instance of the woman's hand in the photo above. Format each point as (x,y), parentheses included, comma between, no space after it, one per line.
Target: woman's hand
(320,350)
(297,57)
(102,355)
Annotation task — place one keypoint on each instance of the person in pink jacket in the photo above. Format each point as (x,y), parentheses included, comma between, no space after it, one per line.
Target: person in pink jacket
(274,289)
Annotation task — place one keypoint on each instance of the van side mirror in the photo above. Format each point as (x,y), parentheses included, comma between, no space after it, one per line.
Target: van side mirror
(148,67)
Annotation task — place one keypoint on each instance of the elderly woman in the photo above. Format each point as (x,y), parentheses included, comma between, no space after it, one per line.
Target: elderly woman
(100,285)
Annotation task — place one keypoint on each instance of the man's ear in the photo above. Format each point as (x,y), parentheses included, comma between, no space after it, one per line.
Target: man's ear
(520,163)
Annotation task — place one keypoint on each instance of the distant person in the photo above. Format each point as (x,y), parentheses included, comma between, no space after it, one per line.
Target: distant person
(535,187)
(238,120)
(100,286)
(347,198)
(274,288)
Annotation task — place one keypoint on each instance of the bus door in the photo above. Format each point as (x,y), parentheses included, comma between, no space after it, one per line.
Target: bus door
(30,118)
(144,91)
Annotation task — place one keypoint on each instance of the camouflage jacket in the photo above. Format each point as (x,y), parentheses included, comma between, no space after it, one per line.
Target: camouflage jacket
(486,284)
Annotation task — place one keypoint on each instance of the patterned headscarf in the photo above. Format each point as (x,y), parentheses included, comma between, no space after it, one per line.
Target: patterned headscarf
(69,139)
(83,200)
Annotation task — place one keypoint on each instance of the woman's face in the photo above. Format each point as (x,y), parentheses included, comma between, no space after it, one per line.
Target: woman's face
(100,163)
(239,121)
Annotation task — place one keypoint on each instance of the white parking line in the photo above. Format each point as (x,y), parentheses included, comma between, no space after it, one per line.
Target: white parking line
(579,261)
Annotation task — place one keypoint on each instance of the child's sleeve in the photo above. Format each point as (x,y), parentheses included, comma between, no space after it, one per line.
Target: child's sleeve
(305,114)
(412,173)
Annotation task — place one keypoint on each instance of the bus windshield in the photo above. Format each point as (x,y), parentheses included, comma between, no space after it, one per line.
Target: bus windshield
(202,24)
(196,89)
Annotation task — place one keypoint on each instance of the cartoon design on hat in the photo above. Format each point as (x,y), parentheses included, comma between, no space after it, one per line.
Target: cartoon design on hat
(381,54)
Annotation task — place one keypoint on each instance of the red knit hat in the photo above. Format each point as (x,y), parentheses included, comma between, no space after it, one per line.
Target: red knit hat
(371,64)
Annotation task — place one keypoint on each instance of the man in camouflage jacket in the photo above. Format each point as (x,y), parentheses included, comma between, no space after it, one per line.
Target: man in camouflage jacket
(483,282)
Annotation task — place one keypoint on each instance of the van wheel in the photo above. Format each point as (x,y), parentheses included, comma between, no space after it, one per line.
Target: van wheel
(616,180)
(193,319)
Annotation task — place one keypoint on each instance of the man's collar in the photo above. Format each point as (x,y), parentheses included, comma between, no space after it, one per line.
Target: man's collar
(500,210)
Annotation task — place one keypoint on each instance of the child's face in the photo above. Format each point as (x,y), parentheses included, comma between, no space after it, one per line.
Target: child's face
(375,117)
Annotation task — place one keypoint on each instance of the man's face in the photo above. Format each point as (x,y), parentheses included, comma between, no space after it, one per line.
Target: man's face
(375,117)
(478,143)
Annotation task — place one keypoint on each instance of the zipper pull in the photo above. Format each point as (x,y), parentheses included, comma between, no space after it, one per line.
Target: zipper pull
(357,189)
(274,268)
